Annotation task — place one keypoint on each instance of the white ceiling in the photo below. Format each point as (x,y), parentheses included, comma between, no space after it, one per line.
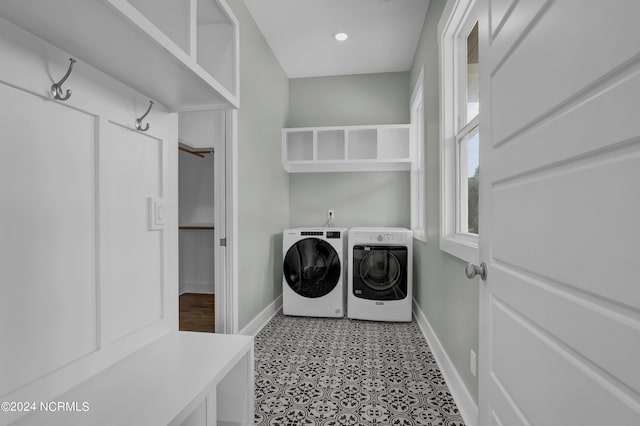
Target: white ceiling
(383,34)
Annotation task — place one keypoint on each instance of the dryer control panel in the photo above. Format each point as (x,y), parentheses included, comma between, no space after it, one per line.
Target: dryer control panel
(381,236)
(388,236)
(375,237)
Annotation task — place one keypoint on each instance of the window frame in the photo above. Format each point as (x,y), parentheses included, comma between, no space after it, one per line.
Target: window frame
(418,165)
(457,21)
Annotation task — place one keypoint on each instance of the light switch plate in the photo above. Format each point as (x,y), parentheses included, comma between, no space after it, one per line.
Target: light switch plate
(473,363)
(157,213)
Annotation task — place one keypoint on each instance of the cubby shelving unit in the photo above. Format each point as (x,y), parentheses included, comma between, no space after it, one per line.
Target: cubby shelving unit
(346,148)
(153,46)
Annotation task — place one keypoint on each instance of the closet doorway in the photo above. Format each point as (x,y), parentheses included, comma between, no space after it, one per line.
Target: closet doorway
(202,220)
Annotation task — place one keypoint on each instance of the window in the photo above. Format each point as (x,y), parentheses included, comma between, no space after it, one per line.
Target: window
(459,129)
(468,138)
(468,182)
(418,191)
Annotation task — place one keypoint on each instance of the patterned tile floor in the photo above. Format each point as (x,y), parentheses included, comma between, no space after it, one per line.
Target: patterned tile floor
(319,371)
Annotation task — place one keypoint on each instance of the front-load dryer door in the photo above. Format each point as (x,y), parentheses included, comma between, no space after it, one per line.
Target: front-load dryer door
(380,272)
(312,268)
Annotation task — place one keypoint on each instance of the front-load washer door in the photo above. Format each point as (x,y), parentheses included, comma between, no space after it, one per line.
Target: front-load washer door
(380,272)
(312,268)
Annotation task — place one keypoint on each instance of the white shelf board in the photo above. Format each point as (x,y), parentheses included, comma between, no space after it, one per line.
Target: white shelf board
(154,384)
(321,166)
(116,38)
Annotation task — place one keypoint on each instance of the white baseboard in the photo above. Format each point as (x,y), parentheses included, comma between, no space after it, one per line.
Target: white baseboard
(466,404)
(202,288)
(256,324)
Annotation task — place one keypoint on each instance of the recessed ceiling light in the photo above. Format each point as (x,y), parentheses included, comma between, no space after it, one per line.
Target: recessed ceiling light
(340,36)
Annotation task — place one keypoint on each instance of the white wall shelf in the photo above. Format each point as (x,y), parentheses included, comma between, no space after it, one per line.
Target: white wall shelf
(346,148)
(181,54)
(182,378)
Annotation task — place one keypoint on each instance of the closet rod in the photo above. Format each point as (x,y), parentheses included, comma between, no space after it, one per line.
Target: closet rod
(197,228)
(200,154)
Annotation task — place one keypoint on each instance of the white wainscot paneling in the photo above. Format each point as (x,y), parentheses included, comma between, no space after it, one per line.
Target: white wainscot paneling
(134,173)
(561,215)
(534,358)
(562,68)
(583,324)
(499,9)
(565,298)
(47,235)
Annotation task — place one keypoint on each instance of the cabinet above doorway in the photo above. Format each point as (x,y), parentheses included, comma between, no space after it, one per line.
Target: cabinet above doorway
(346,148)
(183,54)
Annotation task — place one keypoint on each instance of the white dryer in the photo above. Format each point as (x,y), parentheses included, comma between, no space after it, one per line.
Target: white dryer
(314,268)
(379,285)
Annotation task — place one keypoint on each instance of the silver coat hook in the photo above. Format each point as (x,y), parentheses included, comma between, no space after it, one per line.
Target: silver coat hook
(139,120)
(56,88)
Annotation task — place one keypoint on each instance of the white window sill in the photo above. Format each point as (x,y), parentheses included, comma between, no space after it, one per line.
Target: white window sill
(462,247)
(420,234)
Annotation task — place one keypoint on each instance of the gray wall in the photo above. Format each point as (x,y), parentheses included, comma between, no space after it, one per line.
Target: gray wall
(263,185)
(358,198)
(448,299)
(349,100)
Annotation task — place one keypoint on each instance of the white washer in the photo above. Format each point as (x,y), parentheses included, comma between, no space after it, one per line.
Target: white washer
(313,272)
(380,279)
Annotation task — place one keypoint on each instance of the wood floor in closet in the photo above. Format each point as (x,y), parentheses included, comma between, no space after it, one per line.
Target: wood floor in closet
(197,312)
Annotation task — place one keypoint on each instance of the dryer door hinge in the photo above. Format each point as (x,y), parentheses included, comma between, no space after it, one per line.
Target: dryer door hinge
(223,242)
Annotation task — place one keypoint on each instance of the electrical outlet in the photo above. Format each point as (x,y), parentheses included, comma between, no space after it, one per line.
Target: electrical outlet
(331,214)
(473,362)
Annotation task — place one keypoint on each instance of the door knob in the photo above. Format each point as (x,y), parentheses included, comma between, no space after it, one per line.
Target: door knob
(471,271)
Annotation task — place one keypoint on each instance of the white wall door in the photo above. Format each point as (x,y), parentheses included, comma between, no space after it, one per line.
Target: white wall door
(220,232)
(560,209)
(210,130)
